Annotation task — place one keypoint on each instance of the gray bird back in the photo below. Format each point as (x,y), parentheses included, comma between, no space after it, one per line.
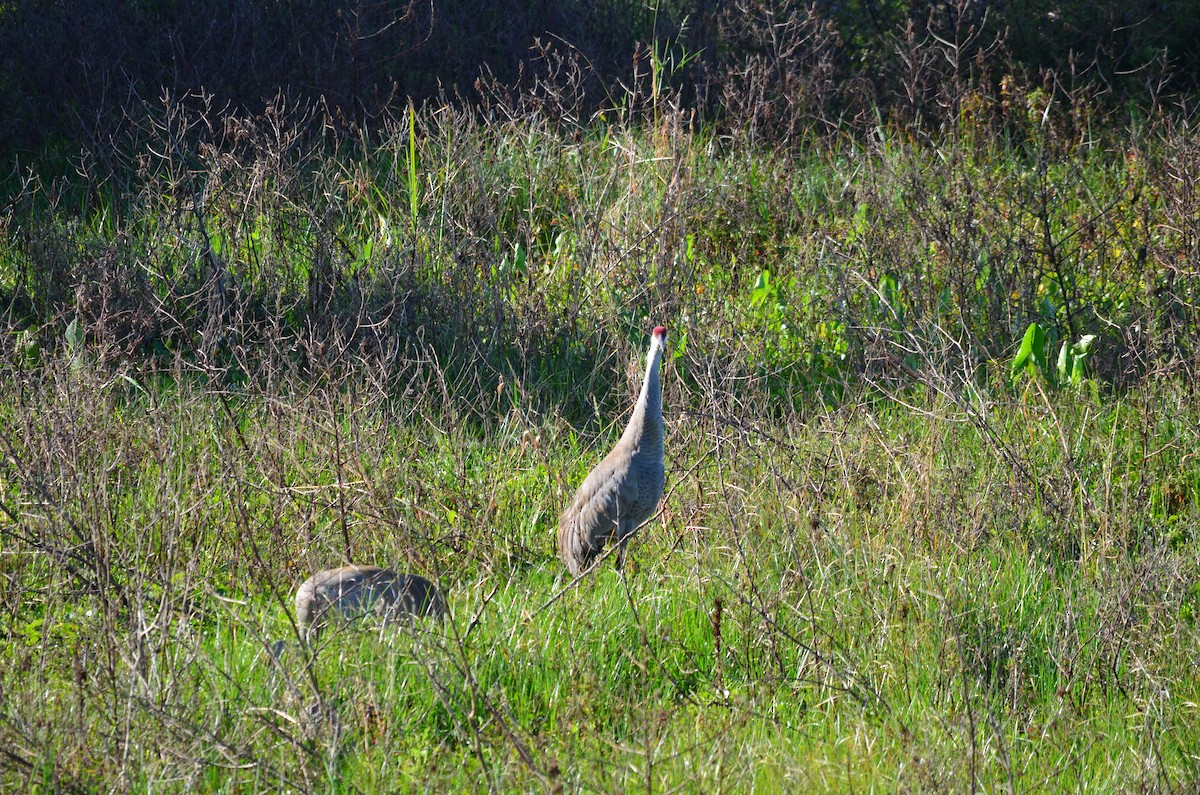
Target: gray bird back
(351,592)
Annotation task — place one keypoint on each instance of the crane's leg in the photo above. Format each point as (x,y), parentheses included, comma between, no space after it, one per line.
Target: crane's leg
(623,534)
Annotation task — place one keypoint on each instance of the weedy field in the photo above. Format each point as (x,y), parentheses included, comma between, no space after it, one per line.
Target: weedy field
(932,494)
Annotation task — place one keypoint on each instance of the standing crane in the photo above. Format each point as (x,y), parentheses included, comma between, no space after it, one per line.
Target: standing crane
(623,490)
(351,592)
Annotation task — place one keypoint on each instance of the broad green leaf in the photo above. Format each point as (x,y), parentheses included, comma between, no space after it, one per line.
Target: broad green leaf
(1081,351)
(1032,350)
(680,345)
(73,335)
(762,289)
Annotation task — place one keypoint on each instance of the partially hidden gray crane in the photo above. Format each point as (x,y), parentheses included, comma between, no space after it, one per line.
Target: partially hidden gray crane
(352,592)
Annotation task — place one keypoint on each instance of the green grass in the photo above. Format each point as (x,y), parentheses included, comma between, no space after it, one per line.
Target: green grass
(930,574)
(898,610)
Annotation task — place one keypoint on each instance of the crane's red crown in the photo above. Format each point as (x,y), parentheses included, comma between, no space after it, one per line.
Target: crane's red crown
(659,331)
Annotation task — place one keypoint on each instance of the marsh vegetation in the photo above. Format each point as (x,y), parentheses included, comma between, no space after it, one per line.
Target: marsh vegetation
(932,496)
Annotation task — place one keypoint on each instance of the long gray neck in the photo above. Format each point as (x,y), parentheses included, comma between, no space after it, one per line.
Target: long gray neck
(645,427)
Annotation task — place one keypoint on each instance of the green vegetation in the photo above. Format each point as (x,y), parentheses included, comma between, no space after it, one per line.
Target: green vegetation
(905,601)
(932,518)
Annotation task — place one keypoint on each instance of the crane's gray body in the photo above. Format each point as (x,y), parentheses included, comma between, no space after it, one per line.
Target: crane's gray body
(351,592)
(623,490)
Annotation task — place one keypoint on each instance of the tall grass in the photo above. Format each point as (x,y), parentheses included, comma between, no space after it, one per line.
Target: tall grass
(884,558)
(899,607)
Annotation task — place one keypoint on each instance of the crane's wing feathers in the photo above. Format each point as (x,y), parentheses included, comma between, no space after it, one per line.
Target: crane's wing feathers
(630,490)
(597,514)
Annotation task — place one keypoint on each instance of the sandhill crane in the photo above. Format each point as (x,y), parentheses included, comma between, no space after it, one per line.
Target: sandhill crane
(351,592)
(624,489)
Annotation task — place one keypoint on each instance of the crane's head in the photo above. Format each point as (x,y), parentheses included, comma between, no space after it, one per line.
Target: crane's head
(659,336)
